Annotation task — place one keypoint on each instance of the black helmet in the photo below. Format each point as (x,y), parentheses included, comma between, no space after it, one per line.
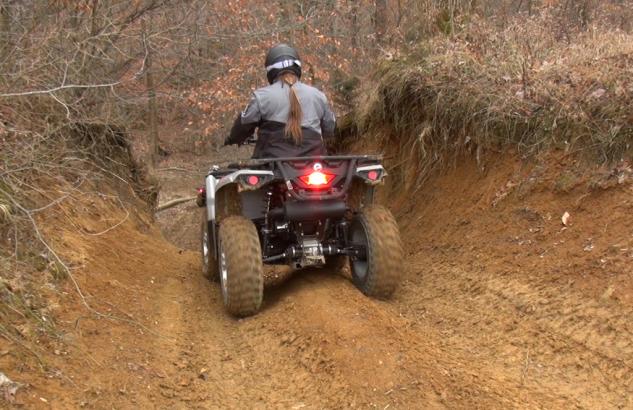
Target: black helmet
(280,58)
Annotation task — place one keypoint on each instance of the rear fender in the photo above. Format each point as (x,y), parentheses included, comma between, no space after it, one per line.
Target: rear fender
(222,201)
(223,197)
(227,202)
(360,195)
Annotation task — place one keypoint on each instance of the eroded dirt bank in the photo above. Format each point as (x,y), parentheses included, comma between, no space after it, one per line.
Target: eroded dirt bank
(501,306)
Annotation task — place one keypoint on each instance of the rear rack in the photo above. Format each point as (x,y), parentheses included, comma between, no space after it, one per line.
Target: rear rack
(276,163)
(263,161)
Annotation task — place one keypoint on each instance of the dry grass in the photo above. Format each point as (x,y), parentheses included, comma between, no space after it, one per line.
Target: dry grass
(522,87)
(44,178)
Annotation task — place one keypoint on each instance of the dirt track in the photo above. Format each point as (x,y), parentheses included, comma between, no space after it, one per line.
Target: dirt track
(482,319)
(319,343)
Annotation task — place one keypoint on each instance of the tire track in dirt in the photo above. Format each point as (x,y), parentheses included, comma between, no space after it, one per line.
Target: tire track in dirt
(440,379)
(220,362)
(554,344)
(317,331)
(318,343)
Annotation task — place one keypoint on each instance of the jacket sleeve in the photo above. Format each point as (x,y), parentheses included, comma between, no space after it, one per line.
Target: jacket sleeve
(328,122)
(245,123)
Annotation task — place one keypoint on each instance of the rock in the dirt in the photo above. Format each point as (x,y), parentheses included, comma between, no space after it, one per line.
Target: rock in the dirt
(608,293)
(8,388)
(566,219)
(598,93)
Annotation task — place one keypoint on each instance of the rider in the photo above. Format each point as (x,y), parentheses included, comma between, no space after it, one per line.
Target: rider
(292,117)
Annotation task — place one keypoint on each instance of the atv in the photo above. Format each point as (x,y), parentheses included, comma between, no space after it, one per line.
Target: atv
(302,212)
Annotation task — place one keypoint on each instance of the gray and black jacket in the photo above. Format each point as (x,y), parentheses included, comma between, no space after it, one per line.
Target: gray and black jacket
(268,111)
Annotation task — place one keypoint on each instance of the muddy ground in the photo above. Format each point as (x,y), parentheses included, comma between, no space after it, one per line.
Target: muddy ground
(500,306)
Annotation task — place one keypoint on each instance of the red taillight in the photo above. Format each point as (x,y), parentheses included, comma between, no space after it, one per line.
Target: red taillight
(201,198)
(317,179)
(372,175)
(253,180)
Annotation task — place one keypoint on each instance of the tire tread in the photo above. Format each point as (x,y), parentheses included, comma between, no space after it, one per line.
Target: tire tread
(245,287)
(385,253)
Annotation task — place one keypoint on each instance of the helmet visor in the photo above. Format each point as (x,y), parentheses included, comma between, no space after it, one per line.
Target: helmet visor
(283,64)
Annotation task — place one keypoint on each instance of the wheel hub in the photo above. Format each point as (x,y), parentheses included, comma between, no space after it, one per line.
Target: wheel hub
(205,251)
(224,274)
(359,261)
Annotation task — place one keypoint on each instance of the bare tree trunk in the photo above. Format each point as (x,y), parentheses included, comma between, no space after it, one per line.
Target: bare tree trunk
(286,16)
(151,101)
(380,20)
(354,16)
(519,6)
(284,11)
(586,13)
(5,29)
(332,5)
(451,10)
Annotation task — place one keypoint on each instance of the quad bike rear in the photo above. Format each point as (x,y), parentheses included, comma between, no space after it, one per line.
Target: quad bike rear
(302,212)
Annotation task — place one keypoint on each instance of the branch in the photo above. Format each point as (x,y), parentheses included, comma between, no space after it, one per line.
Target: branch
(173,203)
(61,87)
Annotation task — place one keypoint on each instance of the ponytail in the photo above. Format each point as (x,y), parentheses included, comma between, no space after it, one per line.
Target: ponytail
(293,125)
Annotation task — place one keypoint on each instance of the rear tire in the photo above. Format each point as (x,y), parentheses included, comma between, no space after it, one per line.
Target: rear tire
(377,273)
(209,263)
(240,266)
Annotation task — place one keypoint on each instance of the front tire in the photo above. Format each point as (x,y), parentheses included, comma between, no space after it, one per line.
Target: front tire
(376,273)
(240,266)
(207,251)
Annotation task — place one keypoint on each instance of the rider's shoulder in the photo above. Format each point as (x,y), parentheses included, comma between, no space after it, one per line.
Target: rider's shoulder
(262,91)
(275,88)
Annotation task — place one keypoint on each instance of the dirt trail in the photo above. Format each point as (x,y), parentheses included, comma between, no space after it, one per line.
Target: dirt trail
(480,321)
